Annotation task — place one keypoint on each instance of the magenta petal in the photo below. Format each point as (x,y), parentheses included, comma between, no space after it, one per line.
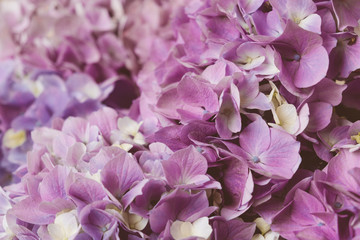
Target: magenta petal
(120,173)
(85,48)
(151,192)
(255,138)
(282,159)
(44,136)
(34,162)
(171,137)
(75,154)
(61,144)
(235,177)
(320,116)
(105,119)
(57,205)
(197,131)
(7,45)
(53,185)
(351,94)
(305,61)
(306,216)
(279,6)
(328,91)
(250,6)
(196,92)
(185,167)
(76,127)
(105,155)
(237,186)
(286,77)
(305,204)
(112,50)
(85,191)
(317,233)
(306,40)
(228,120)
(313,67)
(96,221)
(355,173)
(233,230)
(347,12)
(28,210)
(354,128)
(216,72)
(99,19)
(135,191)
(342,165)
(344,57)
(179,205)
(259,102)
(300,9)
(170,101)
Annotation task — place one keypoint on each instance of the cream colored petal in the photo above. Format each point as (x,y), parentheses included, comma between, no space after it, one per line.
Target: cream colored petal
(202,228)
(137,222)
(124,146)
(69,222)
(262,225)
(258,237)
(139,139)
(128,126)
(14,139)
(288,117)
(91,90)
(272,235)
(180,230)
(56,231)
(275,116)
(252,63)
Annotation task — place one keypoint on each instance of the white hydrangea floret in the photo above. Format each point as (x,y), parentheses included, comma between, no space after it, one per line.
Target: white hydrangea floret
(285,114)
(266,233)
(262,225)
(127,133)
(6,232)
(66,226)
(199,228)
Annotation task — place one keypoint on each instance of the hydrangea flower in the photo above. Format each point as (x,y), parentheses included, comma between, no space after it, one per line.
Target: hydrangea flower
(38,97)
(206,119)
(265,150)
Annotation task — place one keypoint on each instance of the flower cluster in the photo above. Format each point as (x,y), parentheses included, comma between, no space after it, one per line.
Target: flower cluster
(30,98)
(184,119)
(66,36)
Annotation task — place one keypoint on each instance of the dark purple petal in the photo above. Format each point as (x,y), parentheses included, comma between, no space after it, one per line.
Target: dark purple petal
(179,205)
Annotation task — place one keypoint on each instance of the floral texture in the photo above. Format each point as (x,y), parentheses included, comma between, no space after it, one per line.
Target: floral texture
(184,119)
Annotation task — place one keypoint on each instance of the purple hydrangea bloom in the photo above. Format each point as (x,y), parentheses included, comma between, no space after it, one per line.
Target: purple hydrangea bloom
(303,63)
(270,152)
(206,119)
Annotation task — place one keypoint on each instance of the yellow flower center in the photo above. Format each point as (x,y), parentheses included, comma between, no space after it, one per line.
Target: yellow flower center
(356,138)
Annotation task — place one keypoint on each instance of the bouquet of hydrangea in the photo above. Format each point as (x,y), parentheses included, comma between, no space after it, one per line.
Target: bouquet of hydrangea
(181,119)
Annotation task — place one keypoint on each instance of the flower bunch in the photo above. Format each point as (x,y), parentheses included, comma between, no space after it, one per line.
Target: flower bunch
(244,122)
(67,36)
(30,98)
